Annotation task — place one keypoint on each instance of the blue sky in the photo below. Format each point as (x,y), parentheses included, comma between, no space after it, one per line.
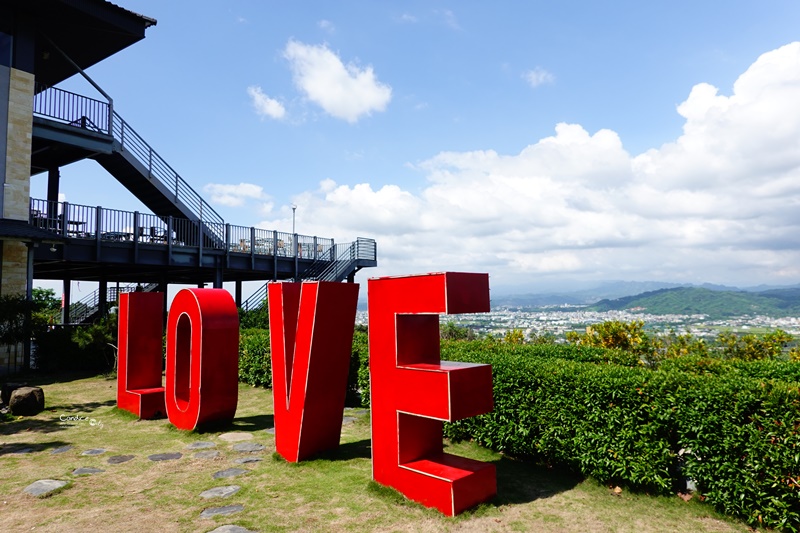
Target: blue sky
(547,143)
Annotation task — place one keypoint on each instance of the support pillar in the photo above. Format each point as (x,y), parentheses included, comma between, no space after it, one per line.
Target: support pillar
(238,292)
(102,300)
(66,301)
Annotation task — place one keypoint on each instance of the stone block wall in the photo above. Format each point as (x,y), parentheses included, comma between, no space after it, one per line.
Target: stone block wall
(16,185)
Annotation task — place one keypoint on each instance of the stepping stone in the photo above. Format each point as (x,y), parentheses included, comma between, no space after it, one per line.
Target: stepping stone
(220,492)
(245,460)
(208,454)
(271,431)
(236,436)
(231,529)
(118,459)
(200,445)
(226,510)
(61,449)
(230,472)
(347,420)
(86,471)
(94,451)
(43,487)
(19,451)
(357,412)
(165,456)
(248,447)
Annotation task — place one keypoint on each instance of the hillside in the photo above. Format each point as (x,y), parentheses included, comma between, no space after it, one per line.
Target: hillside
(714,303)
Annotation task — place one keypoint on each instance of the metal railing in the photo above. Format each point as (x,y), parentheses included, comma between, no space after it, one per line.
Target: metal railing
(72,109)
(86,307)
(103,224)
(256,300)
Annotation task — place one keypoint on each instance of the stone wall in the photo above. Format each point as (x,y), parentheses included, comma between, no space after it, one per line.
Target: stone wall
(16,185)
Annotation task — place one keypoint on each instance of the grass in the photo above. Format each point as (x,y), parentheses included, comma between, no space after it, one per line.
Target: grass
(333,492)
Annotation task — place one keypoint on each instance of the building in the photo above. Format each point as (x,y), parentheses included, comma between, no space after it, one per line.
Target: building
(182,240)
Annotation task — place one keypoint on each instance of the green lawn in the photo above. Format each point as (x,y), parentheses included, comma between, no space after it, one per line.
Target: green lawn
(331,493)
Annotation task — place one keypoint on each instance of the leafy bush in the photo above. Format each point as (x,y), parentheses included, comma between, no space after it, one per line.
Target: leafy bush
(254,318)
(255,367)
(358,377)
(737,437)
(90,348)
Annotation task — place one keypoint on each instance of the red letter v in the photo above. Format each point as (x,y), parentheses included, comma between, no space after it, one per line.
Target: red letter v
(311,336)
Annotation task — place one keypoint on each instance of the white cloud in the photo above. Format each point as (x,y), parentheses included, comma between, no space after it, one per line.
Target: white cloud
(326,25)
(344,91)
(720,203)
(408,18)
(235,195)
(538,76)
(264,105)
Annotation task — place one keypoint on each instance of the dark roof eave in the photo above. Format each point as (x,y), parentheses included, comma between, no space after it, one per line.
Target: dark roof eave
(20,230)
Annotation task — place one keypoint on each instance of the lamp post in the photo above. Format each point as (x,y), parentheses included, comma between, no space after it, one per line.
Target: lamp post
(294,208)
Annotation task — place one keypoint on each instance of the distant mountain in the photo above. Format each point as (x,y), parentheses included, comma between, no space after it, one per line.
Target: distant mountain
(606,290)
(714,303)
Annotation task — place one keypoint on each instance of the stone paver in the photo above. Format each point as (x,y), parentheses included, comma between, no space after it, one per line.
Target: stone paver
(44,486)
(236,436)
(16,449)
(226,510)
(61,449)
(348,420)
(86,471)
(230,472)
(231,529)
(119,459)
(271,431)
(207,454)
(245,460)
(94,451)
(165,456)
(220,492)
(199,445)
(248,447)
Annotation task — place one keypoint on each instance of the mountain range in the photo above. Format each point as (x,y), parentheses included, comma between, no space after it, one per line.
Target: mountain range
(667,298)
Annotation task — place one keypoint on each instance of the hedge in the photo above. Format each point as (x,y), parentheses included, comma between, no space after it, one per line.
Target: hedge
(255,365)
(736,437)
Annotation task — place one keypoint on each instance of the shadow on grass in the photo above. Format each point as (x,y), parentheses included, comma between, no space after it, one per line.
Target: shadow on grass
(22,449)
(35,379)
(520,481)
(361,449)
(253,423)
(84,407)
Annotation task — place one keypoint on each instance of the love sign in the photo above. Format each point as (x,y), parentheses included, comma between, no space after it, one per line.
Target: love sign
(412,391)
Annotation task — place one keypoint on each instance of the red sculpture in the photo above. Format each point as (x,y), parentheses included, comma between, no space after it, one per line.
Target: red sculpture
(412,391)
(139,360)
(311,337)
(202,358)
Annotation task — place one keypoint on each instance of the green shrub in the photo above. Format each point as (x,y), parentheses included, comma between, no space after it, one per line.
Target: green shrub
(89,348)
(254,358)
(735,436)
(360,357)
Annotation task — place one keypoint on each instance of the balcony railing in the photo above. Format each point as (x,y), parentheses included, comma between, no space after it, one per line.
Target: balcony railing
(72,109)
(103,224)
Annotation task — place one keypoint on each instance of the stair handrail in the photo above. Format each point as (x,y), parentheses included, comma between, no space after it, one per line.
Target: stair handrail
(255,300)
(158,168)
(90,304)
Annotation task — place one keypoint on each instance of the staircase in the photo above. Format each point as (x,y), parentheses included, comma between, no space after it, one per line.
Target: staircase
(87,309)
(340,262)
(132,161)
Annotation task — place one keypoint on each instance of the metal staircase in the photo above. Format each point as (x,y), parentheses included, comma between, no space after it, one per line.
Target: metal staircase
(87,309)
(132,161)
(340,262)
